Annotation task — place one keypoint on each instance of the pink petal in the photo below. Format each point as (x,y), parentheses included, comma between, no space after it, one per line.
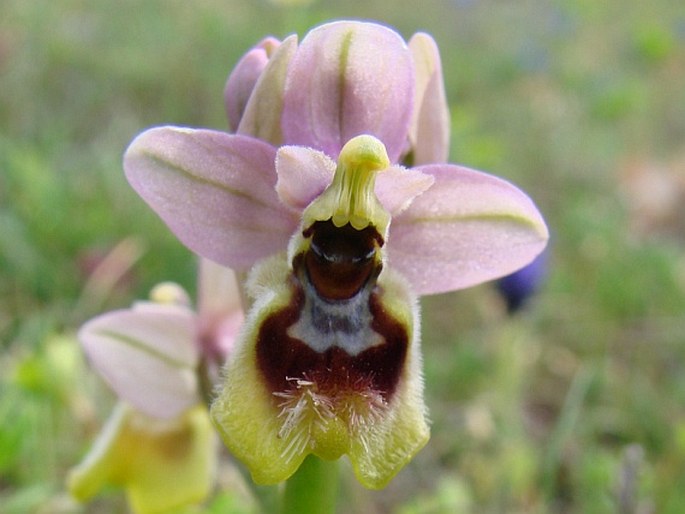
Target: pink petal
(147,355)
(262,116)
(218,291)
(226,332)
(214,190)
(469,227)
(430,127)
(346,79)
(303,174)
(243,78)
(397,187)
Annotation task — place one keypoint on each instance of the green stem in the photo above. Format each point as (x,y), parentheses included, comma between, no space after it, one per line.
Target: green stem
(266,496)
(313,489)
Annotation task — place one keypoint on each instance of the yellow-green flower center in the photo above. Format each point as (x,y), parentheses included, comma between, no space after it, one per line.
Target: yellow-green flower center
(350,197)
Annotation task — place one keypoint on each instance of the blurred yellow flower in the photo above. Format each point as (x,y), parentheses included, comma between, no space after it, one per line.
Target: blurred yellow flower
(162,464)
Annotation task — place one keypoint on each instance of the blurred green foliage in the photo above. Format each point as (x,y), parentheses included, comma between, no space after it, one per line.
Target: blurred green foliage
(576,405)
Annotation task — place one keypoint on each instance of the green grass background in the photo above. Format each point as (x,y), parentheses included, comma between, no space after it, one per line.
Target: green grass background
(576,405)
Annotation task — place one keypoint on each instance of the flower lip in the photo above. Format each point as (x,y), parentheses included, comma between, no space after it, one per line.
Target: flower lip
(328,378)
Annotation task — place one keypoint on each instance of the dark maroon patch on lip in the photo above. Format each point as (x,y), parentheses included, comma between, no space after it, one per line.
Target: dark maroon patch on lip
(340,260)
(281,358)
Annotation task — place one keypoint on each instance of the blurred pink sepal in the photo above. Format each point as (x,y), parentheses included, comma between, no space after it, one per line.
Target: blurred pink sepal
(149,354)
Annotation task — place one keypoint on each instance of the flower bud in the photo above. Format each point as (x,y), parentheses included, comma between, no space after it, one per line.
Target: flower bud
(429,132)
(243,78)
(169,293)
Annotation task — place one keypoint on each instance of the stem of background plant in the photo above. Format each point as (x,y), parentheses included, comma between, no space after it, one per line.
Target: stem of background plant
(313,489)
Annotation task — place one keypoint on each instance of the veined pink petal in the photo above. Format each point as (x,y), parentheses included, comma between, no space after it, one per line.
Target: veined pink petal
(214,190)
(147,355)
(243,78)
(468,228)
(346,79)
(430,127)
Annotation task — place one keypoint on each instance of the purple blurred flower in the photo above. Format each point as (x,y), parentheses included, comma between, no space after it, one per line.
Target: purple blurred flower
(149,354)
(518,287)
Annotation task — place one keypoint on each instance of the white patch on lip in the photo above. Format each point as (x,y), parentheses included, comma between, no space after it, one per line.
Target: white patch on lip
(346,323)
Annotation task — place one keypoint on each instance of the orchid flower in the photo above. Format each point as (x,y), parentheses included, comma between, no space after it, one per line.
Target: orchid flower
(338,240)
(159,443)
